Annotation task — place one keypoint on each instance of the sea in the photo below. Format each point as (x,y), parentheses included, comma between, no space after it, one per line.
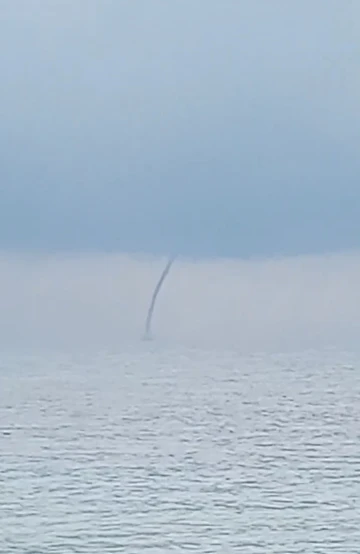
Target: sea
(154,449)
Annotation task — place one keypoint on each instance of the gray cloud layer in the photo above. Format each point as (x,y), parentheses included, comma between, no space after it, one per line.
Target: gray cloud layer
(210,128)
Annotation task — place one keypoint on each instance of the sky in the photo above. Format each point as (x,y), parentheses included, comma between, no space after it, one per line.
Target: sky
(224,132)
(210,129)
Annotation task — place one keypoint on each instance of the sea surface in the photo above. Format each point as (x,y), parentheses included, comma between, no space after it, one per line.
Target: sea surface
(159,450)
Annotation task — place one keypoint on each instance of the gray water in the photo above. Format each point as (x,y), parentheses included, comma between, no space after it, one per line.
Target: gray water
(180,451)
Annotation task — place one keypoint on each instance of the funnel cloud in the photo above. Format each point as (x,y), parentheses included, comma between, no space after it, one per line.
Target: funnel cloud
(147,334)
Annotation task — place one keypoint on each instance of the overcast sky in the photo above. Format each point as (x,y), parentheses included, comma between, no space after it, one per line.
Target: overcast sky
(207,127)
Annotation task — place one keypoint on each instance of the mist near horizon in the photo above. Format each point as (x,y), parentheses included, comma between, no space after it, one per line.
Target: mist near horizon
(101,302)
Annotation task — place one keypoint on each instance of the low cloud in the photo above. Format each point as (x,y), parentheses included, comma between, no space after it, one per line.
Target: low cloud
(101,301)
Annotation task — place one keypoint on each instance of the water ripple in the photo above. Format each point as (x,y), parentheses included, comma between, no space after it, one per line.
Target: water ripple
(180,451)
